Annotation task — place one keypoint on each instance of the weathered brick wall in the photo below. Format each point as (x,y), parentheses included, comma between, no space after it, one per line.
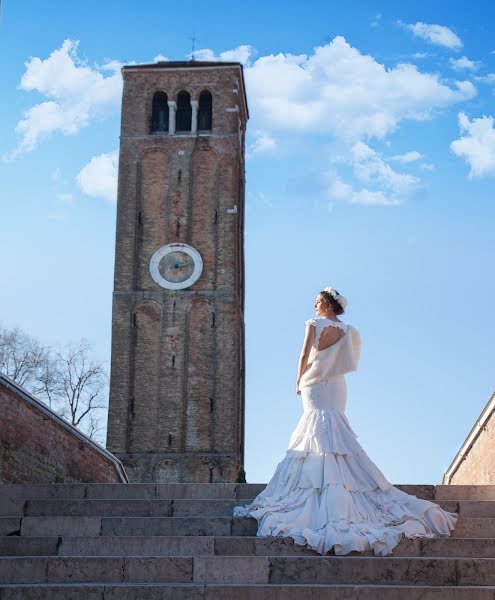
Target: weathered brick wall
(35,448)
(475,461)
(177,384)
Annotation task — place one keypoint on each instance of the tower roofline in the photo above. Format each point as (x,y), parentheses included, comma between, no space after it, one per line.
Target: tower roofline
(192,65)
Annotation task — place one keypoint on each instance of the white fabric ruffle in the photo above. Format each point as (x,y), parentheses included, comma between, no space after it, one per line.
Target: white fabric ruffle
(327,493)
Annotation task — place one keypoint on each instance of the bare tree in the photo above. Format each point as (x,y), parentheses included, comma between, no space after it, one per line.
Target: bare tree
(81,382)
(22,357)
(72,382)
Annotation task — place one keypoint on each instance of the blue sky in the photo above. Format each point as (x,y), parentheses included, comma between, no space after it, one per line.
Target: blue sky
(371,164)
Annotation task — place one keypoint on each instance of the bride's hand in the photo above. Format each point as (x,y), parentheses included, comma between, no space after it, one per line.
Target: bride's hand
(298,391)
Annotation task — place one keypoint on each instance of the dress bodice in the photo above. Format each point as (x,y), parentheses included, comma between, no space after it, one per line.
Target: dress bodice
(337,359)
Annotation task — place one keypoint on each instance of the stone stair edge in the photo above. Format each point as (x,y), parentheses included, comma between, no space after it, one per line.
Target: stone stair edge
(218,591)
(155,546)
(251,570)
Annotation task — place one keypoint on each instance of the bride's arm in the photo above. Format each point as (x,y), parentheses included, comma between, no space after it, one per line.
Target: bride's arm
(309,337)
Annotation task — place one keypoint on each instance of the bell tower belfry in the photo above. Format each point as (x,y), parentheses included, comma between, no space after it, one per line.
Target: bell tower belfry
(176,409)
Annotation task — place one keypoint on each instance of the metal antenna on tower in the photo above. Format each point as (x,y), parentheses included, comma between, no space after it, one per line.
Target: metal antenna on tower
(193,45)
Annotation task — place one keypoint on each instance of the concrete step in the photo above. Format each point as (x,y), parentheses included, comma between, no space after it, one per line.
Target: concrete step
(177,507)
(250,569)
(191,591)
(176,526)
(222,546)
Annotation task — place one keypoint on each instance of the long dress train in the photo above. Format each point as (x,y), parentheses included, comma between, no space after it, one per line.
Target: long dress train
(327,493)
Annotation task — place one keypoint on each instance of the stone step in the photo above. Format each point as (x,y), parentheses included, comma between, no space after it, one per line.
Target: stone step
(176,526)
(222,546)
(464,492)
(191,591)
(177,507)
(226,491)
(130,491)
(143,526)
(250,569)
(219,491)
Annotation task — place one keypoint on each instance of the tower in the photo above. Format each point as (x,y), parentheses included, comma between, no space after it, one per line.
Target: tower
(176,408)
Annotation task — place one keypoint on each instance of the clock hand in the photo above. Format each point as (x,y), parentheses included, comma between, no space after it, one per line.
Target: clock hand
(182,265)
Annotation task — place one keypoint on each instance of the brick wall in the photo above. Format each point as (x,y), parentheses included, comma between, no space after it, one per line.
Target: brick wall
(37,446)
(176,410)
(474,464)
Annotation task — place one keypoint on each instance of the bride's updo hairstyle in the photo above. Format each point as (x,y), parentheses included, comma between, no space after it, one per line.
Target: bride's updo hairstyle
(338,309)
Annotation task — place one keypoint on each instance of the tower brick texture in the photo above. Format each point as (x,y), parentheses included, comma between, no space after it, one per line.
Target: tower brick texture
(176,410)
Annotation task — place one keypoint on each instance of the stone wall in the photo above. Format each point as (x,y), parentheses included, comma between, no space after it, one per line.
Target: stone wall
(474,464)
(38,446)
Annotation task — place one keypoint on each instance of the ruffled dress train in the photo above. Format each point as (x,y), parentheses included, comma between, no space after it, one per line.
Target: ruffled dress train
(329,495)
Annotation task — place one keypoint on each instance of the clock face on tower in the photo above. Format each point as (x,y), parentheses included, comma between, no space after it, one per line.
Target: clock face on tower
(176,266)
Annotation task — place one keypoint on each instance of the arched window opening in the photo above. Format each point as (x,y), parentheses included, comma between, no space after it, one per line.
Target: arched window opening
(184,112)
(159,112)
(205,111)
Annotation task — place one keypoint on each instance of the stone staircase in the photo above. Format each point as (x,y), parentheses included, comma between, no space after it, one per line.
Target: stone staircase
(179,542)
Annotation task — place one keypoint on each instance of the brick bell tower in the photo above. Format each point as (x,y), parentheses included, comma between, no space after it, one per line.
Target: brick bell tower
(176,409)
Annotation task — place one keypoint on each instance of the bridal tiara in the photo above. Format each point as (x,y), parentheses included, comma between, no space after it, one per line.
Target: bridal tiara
(336,296)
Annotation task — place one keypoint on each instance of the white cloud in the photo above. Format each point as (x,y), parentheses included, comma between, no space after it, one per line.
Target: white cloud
(65,198)
(160,58)
(99,177)
(435,34)
(56,174)
(264,143)
(376,21)
(489,78)
(369,167)
(407,157)
(464,63)
(240,54)
(421,55)
(377,182)
(340,91)
(477,146)
(75,92)
(427,166)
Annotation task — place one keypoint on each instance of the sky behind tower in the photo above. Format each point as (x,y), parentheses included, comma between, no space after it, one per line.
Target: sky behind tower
(370,168)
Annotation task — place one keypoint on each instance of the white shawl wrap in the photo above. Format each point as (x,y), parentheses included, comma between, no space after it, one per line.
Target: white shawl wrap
(339,358)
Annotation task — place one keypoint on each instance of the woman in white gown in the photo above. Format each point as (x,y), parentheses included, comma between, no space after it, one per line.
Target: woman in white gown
(327,493)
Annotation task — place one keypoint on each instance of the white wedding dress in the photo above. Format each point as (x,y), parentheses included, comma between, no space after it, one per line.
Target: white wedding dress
(327,493)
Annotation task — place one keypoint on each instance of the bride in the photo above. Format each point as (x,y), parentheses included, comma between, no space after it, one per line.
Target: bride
(327,493)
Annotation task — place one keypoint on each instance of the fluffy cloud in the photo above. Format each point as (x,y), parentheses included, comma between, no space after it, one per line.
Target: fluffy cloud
(477,146)
(381,184)
(464,63)
(99,177)
(340,91)
(75,92)
(489,78)
(435,34)
(240,54)
(407,157)
(264,143)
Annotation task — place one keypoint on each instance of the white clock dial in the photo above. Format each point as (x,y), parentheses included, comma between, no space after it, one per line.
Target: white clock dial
(176,266)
